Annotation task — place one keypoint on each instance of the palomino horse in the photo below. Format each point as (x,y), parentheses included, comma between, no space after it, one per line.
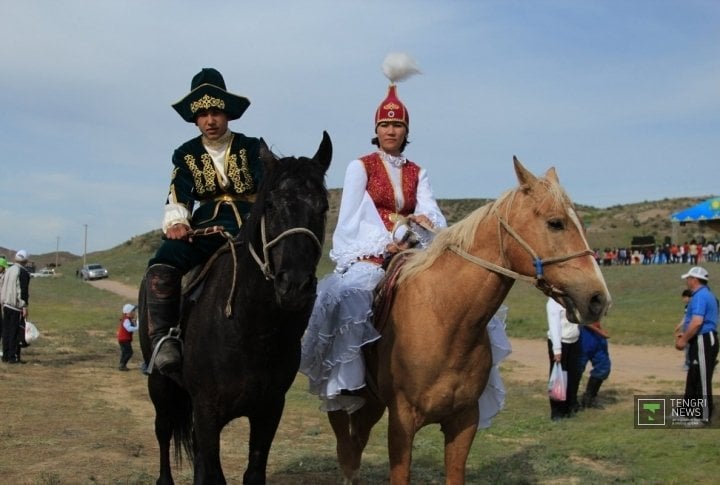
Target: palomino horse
(433,360)
(242,334)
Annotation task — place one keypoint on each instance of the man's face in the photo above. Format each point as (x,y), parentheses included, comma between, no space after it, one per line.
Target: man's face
(212,122)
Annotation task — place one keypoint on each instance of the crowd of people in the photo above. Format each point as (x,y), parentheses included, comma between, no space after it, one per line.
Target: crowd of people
(692,252)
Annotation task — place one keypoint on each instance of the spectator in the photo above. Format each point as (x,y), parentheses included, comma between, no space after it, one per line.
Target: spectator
(700,335)
(685,295)
(15,296)
(594,348)
(563,347)
(3,267)
(125,335)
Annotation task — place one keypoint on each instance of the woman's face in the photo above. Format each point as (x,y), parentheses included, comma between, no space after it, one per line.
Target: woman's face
(391,135)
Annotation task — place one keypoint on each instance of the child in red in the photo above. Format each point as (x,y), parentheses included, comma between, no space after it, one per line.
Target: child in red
(125,335)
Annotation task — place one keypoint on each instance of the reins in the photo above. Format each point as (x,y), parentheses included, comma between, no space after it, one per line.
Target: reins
(539,263)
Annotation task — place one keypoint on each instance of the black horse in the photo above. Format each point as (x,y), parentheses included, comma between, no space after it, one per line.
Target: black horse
(242,334)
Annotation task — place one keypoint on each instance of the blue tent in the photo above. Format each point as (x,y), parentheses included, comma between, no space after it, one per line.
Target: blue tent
(708,210)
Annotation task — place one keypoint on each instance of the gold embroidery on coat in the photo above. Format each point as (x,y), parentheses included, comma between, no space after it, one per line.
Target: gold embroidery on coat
(239,174)
(208,172)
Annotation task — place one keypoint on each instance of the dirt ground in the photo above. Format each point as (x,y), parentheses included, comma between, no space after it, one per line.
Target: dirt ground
(56,427)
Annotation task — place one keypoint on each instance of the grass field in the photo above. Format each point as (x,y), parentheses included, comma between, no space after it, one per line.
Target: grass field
(79,431)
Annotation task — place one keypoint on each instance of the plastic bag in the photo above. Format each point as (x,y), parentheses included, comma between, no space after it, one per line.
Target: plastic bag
(31,333)
(557,384)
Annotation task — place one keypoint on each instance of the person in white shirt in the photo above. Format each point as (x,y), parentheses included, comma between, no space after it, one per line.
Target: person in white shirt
(564,347)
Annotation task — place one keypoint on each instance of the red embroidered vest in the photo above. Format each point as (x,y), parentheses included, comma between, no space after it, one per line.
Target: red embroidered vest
(380,188)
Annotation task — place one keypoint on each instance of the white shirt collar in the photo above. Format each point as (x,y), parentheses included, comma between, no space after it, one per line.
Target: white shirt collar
(397,162)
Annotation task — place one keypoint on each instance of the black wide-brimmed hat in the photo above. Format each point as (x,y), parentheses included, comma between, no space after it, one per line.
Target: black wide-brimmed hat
(207,90)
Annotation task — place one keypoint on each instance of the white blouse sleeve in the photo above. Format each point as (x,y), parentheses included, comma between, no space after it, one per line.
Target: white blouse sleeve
(555,314)
(175,214)
(360,230)
(426,203)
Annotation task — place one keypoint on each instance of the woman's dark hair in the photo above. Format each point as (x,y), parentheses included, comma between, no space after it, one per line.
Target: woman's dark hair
(376,142)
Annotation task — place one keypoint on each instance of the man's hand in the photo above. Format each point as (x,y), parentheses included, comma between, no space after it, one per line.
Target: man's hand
(680,342)
(178,231)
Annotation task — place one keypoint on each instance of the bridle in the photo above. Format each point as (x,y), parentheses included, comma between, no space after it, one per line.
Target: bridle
(264,262)
(539,263)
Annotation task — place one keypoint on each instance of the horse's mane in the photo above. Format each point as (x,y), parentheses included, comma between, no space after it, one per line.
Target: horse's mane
(462,233)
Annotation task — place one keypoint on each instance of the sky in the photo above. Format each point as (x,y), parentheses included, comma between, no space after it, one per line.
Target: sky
(622,97)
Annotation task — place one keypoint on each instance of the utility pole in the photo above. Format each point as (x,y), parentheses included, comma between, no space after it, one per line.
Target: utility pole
(57,249)
(85,249)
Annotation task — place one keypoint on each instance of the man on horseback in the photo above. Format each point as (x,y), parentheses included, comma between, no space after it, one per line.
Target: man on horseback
(221,171)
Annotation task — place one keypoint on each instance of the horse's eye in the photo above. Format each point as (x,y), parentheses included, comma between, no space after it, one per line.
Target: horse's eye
(556,224)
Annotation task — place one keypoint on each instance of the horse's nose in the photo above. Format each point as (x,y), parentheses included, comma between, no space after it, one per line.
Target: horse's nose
(294,287)
(598,305)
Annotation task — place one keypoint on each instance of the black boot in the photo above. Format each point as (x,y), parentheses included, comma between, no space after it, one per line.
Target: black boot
(590,399)
(163,283)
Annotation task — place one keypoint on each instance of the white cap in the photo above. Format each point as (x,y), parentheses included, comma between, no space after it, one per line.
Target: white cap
(696,272)
(128,308)
(21,255)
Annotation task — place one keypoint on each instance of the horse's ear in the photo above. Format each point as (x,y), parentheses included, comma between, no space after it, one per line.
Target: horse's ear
(324,153)
(524,176)
(551,174)
(266,156)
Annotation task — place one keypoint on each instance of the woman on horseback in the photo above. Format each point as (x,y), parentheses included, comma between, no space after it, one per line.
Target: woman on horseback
(379,188)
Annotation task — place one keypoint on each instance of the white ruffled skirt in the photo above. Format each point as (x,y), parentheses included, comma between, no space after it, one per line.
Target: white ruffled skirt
(341,323)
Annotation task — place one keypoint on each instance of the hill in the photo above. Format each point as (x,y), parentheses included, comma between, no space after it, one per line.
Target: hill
(614,226)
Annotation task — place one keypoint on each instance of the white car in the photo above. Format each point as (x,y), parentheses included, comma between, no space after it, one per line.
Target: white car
(44,273)
(93,272)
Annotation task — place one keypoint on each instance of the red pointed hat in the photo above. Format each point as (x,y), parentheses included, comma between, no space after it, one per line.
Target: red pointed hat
(396,67)
(392,109)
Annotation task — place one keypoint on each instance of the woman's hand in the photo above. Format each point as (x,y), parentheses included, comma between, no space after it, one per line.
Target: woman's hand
(421,220)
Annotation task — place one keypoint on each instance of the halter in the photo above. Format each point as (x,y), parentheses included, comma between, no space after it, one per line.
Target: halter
(539,263)
(264,263)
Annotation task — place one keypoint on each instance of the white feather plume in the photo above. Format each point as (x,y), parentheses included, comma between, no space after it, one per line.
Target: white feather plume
(399,66)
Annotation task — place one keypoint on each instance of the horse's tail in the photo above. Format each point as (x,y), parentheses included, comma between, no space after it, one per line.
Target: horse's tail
(182,426)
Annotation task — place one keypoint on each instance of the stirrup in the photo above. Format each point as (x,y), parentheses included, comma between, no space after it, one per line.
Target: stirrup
(173,334)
